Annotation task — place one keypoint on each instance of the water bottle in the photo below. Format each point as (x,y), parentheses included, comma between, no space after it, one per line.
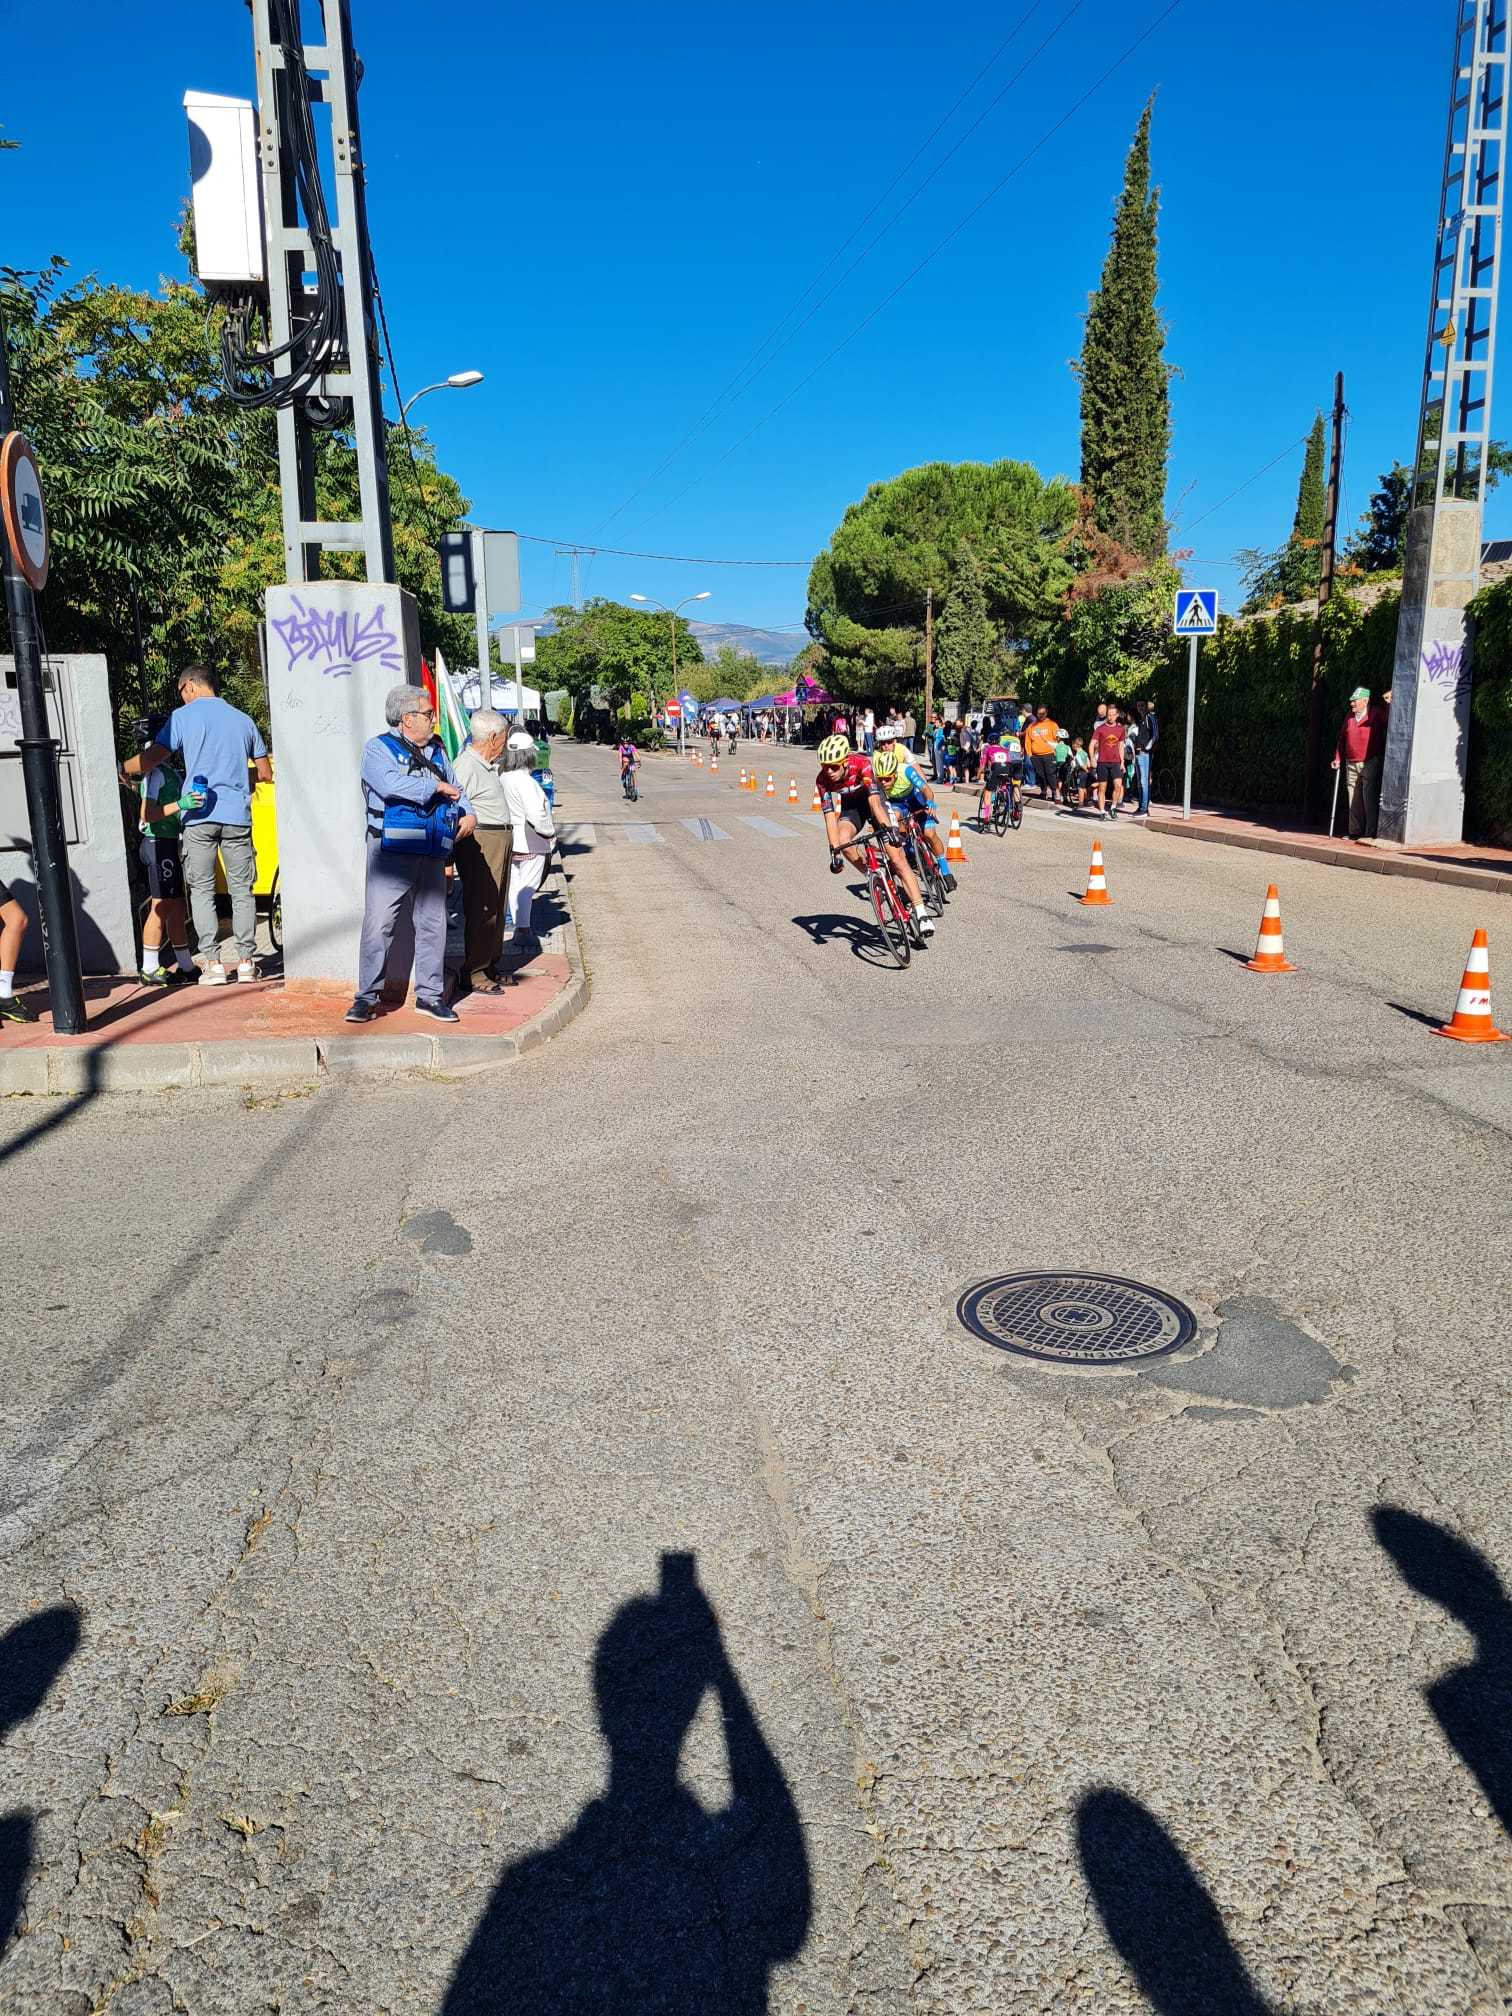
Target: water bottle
(199,792)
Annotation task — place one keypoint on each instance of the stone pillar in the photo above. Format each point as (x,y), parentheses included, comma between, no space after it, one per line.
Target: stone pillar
(334,650)
(1423,782)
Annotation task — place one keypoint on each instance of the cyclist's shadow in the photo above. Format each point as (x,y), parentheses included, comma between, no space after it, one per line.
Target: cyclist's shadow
(32,1655)
(863,937)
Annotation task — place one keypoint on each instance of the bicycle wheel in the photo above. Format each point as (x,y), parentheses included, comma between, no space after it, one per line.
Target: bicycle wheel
(275,914)
(1001,800)
(894,935)
(931,881)
(1016,814)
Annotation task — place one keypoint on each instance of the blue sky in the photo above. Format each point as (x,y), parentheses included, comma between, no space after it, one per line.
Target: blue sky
(608,214)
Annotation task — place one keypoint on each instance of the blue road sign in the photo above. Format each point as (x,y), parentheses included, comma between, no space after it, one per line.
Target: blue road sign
(1196,612)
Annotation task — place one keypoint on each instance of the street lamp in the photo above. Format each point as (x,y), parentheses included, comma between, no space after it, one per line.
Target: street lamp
(457,382)
(702,596)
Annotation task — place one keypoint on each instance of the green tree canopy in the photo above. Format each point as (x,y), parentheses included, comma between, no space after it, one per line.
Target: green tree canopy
(728,675)
(1125,380)
(968,657)
(623,651)
(905,537)
(1293,573)
(163,496)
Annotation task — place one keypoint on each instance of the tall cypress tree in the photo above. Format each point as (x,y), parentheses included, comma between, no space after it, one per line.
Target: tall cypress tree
(1125,380)
(965,641)
(1308,523)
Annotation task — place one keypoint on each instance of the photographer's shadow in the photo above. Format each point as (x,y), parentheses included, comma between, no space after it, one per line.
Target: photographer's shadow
(652,1903)
(32,1655)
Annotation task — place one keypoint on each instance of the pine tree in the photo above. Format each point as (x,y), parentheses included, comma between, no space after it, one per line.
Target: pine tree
(1125,380)
(965,641)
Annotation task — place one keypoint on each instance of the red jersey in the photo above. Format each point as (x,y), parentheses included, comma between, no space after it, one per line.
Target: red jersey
(856,781)
(1107,742)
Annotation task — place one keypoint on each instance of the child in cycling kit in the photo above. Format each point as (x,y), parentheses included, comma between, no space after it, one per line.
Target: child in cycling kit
(1000,760)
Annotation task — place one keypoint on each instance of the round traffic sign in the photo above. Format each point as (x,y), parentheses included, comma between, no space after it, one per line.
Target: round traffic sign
(23,509)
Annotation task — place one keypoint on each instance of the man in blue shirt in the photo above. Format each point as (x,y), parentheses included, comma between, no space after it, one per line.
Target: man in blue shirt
(418,773)
(214,742)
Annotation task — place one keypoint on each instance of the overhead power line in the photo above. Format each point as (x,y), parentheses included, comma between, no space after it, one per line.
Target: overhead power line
(624,553)
(839,253)
(1291,446)
(929,257)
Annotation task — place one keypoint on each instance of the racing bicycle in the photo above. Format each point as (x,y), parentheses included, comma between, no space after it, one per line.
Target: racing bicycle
(1007,806)
(629,784)
(894,919)
(925,864)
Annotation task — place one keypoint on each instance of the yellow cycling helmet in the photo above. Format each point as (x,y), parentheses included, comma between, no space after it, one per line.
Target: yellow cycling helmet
(885,764)
(833,749)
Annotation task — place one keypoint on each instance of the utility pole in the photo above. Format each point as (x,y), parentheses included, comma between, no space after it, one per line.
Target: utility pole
(1423,781)
(39,776)
(928,658)
(574,553)
(1316,726)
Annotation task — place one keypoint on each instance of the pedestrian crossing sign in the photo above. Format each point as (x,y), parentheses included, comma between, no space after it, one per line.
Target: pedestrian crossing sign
(1196,612)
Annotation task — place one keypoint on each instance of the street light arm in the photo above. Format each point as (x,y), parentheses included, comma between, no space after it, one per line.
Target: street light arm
(439,386)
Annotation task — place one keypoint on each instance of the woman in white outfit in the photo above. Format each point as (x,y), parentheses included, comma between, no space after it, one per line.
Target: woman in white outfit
(530,815)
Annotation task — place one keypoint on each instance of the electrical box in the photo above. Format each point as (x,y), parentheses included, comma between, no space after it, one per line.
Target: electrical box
(457,588)
(228,220)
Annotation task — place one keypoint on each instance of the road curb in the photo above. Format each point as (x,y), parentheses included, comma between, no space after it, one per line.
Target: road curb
(287,1061)
(1364,862)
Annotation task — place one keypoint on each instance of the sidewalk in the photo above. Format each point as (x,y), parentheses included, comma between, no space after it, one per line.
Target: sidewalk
(270,1032)
(1461,863)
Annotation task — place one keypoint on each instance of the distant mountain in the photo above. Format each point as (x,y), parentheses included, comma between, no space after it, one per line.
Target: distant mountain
(768,647)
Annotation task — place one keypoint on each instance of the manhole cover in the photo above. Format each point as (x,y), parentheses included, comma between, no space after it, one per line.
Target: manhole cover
(1076,1319)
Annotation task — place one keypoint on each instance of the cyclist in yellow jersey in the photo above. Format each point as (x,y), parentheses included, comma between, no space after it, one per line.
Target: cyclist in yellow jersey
(905,791)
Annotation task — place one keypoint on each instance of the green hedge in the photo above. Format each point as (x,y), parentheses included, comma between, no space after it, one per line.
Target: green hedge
(1488,812)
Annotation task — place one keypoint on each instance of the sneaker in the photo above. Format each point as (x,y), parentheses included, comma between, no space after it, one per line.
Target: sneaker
(925,922)
(180,976)
(437,1011)
(360,1011)
(950,883)
(153,976)
(214,975)
(246,970)
(14,1009)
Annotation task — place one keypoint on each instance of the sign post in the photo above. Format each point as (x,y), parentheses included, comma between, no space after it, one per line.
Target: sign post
(1195,616)
(27,555)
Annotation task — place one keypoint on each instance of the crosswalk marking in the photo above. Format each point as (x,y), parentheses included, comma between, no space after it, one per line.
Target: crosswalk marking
(768,826)
(578,833)
(704,829)
(644,836)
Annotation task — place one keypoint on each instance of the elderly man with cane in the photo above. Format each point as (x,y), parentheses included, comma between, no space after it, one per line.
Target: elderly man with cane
(483,858)
(1360,749)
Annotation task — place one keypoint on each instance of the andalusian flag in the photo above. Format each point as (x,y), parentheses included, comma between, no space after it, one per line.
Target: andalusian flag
(451,722)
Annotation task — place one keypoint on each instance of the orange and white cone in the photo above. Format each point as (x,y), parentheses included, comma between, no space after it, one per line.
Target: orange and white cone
(742,777)
(954,851)
(1471,1021)
(714,764)
(1270,947)
(771,785)
(792,790)
(1097,881)
(817,805)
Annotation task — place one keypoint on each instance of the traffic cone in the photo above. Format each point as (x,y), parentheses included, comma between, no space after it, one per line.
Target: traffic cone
(742,777)
(1471,1021)
(792,790)
(771,785)
(817,805)
(1270,950)
(1097,881)
(714,764)
(751,783)
(954,851)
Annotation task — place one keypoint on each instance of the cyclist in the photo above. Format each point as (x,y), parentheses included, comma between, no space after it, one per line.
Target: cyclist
(849,797)
(629,763)
(1002,763)
(906,795)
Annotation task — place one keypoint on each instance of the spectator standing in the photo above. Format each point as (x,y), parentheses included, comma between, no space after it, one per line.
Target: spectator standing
(407,766)
(910,729)
(1146,738)
(534,833)
(12,934)
(1040,738)
(869,731)
(1062,757)
(1361,748)
(216,742)
(160,826)
(1108,761)
(482,859)
(1079,776)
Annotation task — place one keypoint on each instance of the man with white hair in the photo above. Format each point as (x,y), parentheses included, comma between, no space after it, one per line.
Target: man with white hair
(534,832)
(483,859)
(409,790)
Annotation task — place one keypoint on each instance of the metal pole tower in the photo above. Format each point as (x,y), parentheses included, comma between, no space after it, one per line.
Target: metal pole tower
(327,72)
(1423,789)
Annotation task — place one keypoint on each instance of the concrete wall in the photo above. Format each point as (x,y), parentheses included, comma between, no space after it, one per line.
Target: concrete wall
(78,708)
(334,650)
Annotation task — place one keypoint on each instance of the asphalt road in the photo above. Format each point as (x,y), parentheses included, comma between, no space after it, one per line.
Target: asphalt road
(545,1543)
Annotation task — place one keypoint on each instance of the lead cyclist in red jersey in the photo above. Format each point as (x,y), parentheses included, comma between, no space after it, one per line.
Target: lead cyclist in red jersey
(848,797)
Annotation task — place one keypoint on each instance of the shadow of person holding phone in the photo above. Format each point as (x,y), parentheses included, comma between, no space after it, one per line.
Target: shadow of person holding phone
(32,1655)
(1473,1702)
(652,1905)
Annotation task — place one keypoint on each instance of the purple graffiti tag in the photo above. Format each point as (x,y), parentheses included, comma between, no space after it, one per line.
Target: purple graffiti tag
(338,640)
(1444,667)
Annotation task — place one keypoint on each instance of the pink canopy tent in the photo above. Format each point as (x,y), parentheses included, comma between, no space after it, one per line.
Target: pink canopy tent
(810,695)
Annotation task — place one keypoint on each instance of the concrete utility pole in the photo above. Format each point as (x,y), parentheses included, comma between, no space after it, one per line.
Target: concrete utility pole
(1423,785)
(1317,728)
(928,658)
